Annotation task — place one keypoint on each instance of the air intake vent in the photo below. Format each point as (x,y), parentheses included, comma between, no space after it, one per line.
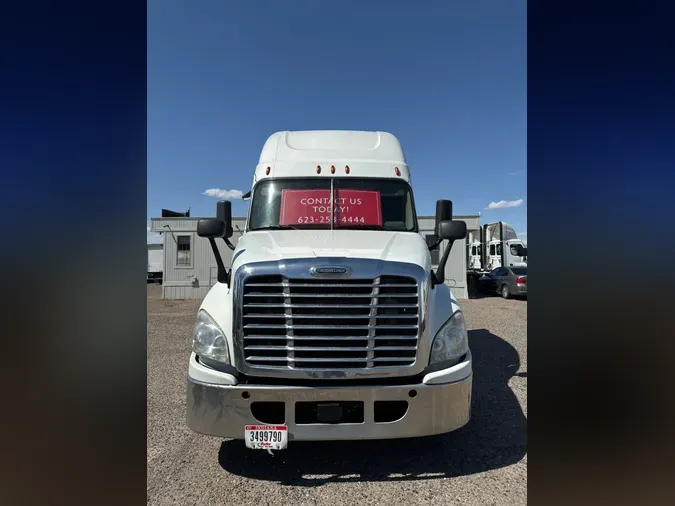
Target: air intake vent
(330,324)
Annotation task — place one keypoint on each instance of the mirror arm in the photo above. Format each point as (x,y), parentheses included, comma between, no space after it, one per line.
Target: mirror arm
(439,275)
(229,244)
(436,244)
(223,274)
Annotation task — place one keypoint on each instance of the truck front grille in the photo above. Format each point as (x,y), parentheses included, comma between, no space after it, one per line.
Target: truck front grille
(330,324)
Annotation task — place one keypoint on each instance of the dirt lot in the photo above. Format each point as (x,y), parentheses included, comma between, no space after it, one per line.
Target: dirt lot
(482,463)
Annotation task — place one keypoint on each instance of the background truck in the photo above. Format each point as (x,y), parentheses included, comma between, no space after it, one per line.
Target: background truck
(155,263)
(331,323)
(492,245)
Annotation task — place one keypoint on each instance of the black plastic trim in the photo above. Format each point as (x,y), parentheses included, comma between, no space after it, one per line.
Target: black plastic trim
(218,366)
(301,382)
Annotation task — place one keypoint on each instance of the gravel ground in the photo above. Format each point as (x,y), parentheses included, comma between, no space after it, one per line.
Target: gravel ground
(482,463)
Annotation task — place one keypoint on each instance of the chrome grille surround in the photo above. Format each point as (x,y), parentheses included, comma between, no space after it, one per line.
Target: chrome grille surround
(375,351)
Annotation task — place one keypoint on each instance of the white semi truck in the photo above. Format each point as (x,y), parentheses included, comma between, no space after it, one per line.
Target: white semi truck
(493,245)
(330,323)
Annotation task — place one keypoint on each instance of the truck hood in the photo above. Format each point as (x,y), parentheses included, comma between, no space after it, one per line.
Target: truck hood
(277,245)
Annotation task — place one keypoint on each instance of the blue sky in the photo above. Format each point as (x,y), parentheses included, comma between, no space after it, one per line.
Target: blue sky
(447,78)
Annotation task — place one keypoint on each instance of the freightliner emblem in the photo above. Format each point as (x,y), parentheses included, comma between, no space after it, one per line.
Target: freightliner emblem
(329,271)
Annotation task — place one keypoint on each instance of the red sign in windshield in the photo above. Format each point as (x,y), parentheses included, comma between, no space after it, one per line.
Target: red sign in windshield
(312,207)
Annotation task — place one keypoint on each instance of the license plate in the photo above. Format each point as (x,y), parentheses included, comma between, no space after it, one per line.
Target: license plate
(266,437)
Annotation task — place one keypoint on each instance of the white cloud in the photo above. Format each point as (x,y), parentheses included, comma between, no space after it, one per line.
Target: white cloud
(224,194)
(505,203)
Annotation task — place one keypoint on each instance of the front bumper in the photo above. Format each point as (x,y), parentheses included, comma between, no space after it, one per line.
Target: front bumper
(519,290)
(218,406)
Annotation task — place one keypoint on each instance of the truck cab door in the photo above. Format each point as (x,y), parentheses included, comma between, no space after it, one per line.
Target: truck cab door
(515,255)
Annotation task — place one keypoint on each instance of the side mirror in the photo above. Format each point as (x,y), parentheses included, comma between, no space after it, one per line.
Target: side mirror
(220,226)
(224,214)
(246,196)
(443,213)
(211,228)
(451,230)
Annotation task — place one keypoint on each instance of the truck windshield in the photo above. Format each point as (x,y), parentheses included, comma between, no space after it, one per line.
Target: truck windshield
(363,204)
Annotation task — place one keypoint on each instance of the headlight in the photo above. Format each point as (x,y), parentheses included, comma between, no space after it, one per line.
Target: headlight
(451,342)
(208,340)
